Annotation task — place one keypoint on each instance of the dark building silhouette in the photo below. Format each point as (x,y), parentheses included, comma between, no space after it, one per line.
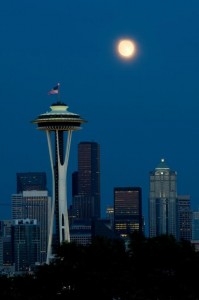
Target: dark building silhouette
(86,182)
(75,184)
(184,218)
(83,207)
(30,181)
(103,228)
(127,210)
(83,231)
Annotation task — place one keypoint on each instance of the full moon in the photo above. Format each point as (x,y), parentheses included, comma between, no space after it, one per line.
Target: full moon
(126,48)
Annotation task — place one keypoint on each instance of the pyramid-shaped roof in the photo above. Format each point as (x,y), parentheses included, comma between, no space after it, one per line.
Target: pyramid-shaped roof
(162,164)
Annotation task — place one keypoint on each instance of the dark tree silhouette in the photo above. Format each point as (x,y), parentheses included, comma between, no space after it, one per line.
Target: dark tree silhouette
(147,268)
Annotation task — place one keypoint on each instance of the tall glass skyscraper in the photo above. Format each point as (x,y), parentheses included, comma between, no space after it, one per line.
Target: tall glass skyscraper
(162,201)
(86,182)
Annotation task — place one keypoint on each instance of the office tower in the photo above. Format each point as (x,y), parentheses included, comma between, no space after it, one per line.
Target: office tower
(34,205)
(110,215)
(195,225)
(162,201)
(17,206)
(29,181)
(55,123)
(1,248)
(83,231)
(195,229)
(86,182)
(80,232)
(6,257)
(127,210)
(74,184)
(103,228)
(26,244)
(184,218)
(83,207)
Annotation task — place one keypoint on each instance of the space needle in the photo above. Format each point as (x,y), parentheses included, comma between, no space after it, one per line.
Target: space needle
(59,125)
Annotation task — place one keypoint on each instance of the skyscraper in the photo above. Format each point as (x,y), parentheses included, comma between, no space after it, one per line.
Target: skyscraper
(56,122)
(6,255)
(29,181)
(86,182)
(127,210)
(195,225)
(195,229)
(26,244)
(184,218)
(34,205)
(162,201)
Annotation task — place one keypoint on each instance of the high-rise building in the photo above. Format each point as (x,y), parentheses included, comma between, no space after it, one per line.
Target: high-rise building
(6,257)
(195,225)
(162,201)
(26,244)
(81,232)
(127,211)
(110,215)
(34,205)
(29,181)
(55,123)
(86,182)
(74,184)
(184,218)
(83,207)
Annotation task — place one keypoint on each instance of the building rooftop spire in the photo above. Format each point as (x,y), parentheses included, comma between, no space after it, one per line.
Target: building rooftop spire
(162,164)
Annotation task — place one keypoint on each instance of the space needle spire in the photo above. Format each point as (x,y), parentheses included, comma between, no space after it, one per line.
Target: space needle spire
(59,125)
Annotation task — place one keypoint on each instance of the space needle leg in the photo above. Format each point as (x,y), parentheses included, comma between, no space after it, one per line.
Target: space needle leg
(49,247)
(63,210)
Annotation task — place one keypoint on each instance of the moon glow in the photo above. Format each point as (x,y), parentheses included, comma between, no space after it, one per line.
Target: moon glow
(126,48)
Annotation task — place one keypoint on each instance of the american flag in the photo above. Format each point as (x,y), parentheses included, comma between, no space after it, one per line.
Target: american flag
(54,90)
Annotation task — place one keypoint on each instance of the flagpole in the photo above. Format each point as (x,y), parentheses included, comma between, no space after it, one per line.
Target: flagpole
(59,99)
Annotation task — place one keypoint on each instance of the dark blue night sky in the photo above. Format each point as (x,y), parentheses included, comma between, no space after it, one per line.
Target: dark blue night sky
(138,111)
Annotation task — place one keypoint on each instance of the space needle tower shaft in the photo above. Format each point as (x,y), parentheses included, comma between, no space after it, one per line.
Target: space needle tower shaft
(59,125)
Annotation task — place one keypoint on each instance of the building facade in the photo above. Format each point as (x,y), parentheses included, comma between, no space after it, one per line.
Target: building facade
(26,245)
(127,210)
(29,181)
(195,225)
(110,215)
(6,257)
(34,205)
(184,218)
(86,182)
(162,201)
(80,232)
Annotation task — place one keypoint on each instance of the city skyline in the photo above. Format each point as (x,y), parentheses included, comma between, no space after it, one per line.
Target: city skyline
(23,177)
(139,111)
